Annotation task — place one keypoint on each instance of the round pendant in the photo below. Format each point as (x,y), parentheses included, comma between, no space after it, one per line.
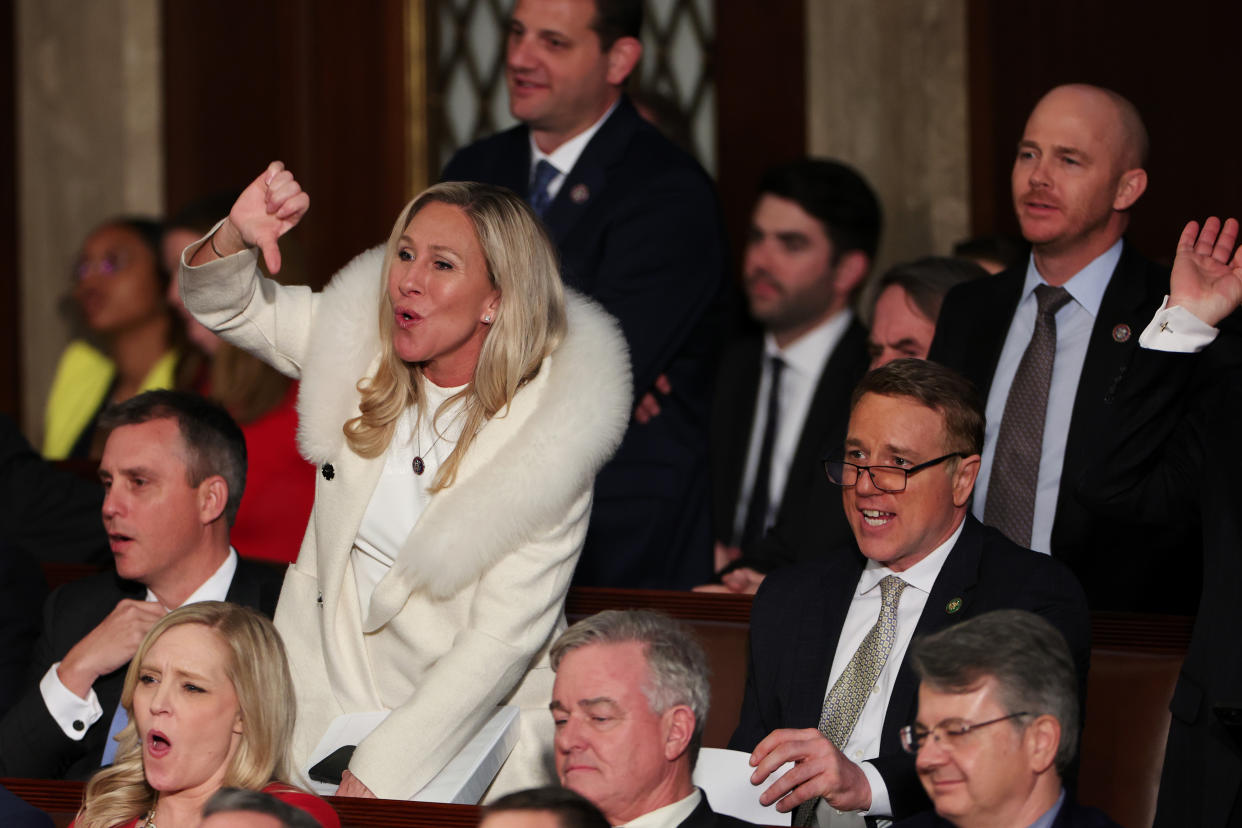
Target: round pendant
(419,466)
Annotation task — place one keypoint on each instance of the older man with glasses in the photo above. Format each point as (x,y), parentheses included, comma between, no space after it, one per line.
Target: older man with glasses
(828,684)
(997,726)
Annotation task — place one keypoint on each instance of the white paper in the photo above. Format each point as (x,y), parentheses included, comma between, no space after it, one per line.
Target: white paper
(462,781)
(724,775)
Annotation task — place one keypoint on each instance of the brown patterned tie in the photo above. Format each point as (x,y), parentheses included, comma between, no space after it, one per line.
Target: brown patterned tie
(1010,505)
(849,694)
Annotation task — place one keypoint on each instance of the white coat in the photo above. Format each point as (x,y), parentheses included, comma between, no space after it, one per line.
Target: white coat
(462,621)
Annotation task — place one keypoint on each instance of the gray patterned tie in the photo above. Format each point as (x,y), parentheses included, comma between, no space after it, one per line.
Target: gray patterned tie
(848,695)
(1010,505)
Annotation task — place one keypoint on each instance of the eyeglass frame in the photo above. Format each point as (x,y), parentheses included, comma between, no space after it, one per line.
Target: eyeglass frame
(907,733)
(871,474)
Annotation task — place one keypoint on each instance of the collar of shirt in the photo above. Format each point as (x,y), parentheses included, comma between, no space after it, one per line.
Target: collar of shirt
(807,354)
(215,588)
(922,576)
(668,816)
(1087,286)
(566,155)
(1049,816)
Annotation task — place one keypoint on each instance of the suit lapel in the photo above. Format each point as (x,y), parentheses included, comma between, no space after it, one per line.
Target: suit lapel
(1125,303)
(818,636)
(950,600)
(585,183)
(991,328)
(824,420)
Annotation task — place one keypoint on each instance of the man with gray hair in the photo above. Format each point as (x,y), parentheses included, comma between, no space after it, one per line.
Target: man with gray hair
(629,703)
(997,725)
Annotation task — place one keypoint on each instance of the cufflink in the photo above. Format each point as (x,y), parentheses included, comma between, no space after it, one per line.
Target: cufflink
(79,725)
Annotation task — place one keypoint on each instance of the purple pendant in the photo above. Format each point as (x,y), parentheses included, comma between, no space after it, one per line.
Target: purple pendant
(419,466)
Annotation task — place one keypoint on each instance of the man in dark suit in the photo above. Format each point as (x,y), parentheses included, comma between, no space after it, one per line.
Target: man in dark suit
(1048,373)
(638,229)
(1169,452)
(173,470)
(828,638)
(782,397)
(630,700)
(997,726)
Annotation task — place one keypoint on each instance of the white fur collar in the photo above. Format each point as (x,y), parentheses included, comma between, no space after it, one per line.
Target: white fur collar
(537,470)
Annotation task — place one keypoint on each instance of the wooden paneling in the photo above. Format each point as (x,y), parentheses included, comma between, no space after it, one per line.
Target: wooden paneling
(1175,68)
(320,86)
(760,68)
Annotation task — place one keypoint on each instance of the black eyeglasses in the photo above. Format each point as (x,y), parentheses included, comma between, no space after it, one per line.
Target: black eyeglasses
(946,733)
(885,478)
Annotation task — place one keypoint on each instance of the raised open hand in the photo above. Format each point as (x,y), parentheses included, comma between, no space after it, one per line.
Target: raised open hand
(1205,280)
(271,206)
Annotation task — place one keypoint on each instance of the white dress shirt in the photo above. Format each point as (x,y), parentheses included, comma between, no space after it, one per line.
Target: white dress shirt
(804,360)
(400,496)
(1074,323)
(566,155)
(1177,329)
(66,708)
(864,742)
(670,816)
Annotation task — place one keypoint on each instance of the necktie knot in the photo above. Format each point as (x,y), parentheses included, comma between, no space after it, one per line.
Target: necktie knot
(890,590)
(1050,299)
(544,175)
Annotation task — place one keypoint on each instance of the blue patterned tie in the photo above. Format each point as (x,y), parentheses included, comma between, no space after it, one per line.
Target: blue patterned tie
(539,197)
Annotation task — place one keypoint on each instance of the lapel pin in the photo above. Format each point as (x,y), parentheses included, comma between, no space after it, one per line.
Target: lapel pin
(579,194)
(953,606)
(1121,332)
(327,471)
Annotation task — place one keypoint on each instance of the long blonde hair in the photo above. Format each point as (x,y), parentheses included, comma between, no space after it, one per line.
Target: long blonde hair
(530,322)
(259,671)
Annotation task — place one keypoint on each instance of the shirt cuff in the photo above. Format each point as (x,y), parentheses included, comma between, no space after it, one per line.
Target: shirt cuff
(1178,330)
(74,715)
(880,806)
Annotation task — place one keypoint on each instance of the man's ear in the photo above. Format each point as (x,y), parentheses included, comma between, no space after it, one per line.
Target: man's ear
(1042,738)
(678,730)
(849,271)
(1131,185)
(213,497)
(964,479)
(622,58)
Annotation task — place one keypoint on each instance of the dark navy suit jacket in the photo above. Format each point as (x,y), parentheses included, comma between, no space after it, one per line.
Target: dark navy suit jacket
(798,613)
(638,228)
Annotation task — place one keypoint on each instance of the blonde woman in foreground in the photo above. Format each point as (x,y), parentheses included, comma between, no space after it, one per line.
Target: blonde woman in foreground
(208,698)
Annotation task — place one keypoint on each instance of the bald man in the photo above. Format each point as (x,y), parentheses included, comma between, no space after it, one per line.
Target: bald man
(1047,343)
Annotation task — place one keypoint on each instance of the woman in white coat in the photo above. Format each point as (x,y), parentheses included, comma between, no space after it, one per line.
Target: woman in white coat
(459,403)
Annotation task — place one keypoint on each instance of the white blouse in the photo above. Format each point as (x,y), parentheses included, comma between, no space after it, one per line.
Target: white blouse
(400,496)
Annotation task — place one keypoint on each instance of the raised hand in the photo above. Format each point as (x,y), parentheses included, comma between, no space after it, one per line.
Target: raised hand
(271,206)
(1205,280)
(109,646)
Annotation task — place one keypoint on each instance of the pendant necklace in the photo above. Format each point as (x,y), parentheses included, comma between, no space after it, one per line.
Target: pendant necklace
(417,463)
(150,820)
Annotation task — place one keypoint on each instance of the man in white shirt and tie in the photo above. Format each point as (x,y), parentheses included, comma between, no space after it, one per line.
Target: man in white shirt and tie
(1049,342)
(828,685)
(173,469)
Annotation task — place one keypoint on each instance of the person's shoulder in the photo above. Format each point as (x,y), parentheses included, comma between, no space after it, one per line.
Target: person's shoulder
(782,586)
(1015,570)
(99,588)
(974,292)
(470,159)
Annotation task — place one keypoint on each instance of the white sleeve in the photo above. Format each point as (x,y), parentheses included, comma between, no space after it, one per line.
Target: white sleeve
(74,715)
(1177,329)
(880,806)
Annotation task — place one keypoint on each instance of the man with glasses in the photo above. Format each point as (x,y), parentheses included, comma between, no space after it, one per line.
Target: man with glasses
(997,725)
(828,686)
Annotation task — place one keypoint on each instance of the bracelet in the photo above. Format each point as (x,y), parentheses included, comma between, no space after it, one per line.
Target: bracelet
(212,242)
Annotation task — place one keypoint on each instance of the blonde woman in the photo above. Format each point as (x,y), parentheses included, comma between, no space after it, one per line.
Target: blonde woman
(208,701)
(458,404)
